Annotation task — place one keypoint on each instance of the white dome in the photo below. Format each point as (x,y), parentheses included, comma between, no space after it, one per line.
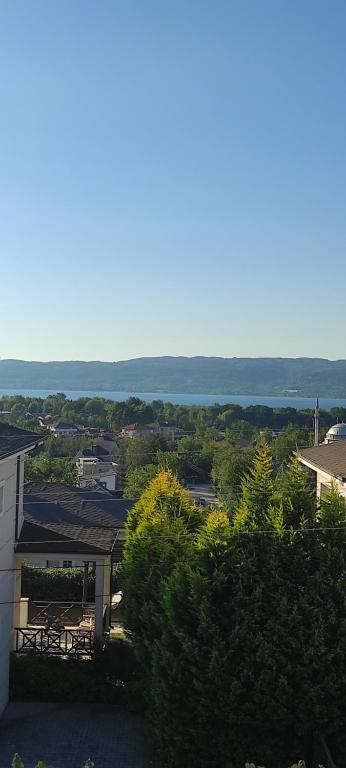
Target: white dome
(337,432)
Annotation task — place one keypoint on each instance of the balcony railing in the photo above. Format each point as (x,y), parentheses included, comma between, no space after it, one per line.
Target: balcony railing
(54,642)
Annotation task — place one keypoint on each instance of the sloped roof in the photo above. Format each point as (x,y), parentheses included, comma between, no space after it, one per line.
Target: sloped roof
(330,457)
(95,451)
(70,519)
(14,440)
(67,539)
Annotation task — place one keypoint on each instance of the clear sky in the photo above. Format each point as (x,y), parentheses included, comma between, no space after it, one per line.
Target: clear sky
(172,178)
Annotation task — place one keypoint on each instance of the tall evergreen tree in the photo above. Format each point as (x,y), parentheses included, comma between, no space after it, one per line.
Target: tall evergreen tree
(298,496)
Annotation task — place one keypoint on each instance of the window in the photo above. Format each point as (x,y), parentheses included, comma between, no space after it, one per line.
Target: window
(67,563)
(2,498)
(53,563)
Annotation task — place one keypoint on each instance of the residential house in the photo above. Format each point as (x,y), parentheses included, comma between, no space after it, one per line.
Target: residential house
(139,430)
(63,429)
(68,527)
(328,462)
(156,428)
(96,467)
(14,444)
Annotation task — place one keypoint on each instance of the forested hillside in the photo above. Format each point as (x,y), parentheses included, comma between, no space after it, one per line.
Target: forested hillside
(214,375)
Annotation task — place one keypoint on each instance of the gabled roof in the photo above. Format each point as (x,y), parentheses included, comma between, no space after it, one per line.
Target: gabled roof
(14,440)
(68,519)
(63,425)
(329,457)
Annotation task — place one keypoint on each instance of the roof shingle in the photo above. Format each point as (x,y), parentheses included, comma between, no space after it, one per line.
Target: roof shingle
(14,440)
(62,518)
(330,457)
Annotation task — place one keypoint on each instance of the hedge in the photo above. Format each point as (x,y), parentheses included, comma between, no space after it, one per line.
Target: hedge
(110,676)
(58,584)
(55,584)
(18,763)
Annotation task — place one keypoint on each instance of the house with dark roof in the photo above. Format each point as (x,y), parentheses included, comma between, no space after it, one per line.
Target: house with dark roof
(65,526)
(14,444)
(328,462)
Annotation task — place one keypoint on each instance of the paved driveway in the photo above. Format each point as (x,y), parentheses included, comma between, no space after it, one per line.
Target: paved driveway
(65,736)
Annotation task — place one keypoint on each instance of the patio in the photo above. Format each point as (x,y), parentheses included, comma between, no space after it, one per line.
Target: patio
(67,528)
(65,736)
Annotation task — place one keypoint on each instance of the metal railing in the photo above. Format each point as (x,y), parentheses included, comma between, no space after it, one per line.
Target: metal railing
(63,642)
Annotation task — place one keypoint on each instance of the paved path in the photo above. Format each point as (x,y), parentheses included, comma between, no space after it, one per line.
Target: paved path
(65,736)
(204,491)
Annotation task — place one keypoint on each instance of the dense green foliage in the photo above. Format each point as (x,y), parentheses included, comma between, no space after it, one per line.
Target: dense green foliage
(55,583)
(42,467)
(109,677)
(239,624)
(18,763)
(108,414)
(138,479)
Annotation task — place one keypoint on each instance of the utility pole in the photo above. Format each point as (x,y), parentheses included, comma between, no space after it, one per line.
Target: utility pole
(316,422)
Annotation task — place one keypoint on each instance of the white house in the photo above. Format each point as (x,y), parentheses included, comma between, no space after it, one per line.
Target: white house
(93,473)
(63,429)
(328,462)
(14,443)
(96,467)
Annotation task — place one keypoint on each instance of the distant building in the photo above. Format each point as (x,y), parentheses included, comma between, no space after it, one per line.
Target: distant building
(140,430)
(63,429)
(96,467)
(336,433)
(143,430)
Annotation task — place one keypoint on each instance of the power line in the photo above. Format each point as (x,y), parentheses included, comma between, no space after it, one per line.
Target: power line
(138,453)
(193,536)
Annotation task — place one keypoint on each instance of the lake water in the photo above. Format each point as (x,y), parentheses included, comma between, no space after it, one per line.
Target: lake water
(188,399)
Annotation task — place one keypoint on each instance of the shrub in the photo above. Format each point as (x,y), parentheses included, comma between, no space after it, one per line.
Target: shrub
(55,583)
(108,677)
(301,764)
(240,626)
(18,763)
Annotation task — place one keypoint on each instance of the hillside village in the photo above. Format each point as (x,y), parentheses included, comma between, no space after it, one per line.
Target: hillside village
(73,572)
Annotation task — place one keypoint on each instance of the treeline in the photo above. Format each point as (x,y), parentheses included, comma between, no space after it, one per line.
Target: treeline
(104,413)
(205,458)
(239,623)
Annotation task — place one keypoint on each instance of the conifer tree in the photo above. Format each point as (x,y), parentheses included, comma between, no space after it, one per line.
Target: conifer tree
(160,533)
(298,496)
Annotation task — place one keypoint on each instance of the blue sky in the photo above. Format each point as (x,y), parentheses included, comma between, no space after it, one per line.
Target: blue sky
(172,178)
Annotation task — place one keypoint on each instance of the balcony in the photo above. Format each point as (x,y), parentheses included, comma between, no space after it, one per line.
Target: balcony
(57,629)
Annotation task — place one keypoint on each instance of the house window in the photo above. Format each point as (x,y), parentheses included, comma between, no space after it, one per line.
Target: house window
(53,563)
(67,563)
(2,498)
(324,490)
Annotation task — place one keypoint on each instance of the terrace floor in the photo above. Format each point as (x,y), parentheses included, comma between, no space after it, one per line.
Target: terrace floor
(66,735)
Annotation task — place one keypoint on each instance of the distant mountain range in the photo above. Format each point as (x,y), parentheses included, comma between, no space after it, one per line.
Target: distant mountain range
(204,375)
